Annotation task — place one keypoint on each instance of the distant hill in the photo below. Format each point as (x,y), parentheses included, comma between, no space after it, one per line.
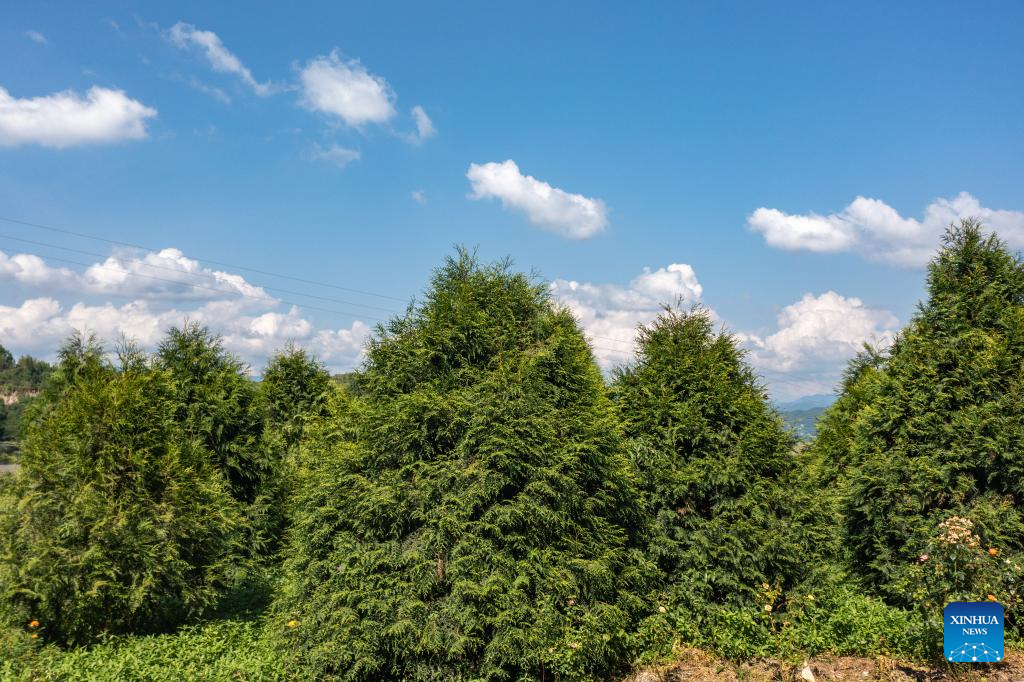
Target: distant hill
(802,414)
(20,382)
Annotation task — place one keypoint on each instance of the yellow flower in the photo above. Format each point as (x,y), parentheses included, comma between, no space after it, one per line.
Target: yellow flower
(293,623)
(35,636)
(768,608)
(991,597)
(34,624)
(992,551)
(662,609)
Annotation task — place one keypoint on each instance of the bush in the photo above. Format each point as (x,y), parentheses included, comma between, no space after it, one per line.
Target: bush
(476,525)
(117,521)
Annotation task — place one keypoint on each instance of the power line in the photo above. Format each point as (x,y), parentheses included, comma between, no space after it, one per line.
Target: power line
(346,313)
(198,274)
(205,260)
(237,267)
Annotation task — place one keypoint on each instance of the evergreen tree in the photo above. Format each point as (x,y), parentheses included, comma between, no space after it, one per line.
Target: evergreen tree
(117,520)
(295,388)
(932,438)
(218,404)
(478,525)
(734,509)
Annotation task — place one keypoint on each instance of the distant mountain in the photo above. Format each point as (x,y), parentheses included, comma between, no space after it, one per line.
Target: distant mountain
(802,414)
(819,400)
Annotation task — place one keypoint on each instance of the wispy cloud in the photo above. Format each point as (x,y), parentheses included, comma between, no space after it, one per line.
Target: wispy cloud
(222,60)
(36,37)
(336,154)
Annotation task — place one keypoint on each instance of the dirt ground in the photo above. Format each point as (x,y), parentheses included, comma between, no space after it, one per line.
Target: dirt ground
(698,665)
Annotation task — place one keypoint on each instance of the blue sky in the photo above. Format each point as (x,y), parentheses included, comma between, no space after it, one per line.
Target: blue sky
(709,151)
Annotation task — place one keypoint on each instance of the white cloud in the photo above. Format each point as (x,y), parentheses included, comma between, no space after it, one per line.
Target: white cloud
(346,90)
(815,338)
(163,289)
(424,126)
(166,275)
(419,196)
(878,232)
(610,313)
(37,37)
(569,215)
(66,118)
(219,57)
(336,154)
(39,325)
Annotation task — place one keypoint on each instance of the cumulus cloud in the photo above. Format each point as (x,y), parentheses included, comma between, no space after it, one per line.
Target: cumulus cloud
(814,339)
(222,60)
(878,232)
(610,313)
(336,154)
(39,325)
(36,37)
(65,119)
(346,90)
(569,215)
(166,274)
(165,288)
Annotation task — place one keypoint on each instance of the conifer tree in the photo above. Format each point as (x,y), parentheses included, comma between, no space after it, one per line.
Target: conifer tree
(295,388)
(219,404)
(117,521)
(733,504)
(932,438)
(478,527)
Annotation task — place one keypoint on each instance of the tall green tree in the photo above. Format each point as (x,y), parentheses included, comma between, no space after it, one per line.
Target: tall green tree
(479,525)
(118,520)
(217,403)
(931,438)
(296,388)
(732,501)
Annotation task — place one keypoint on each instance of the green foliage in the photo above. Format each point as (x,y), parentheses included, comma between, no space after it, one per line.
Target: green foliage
(731,500)
(217,403)
(222,650)
(117,520)
(27,374)
(470,518)
(20,380)
(295,389)
(933,435)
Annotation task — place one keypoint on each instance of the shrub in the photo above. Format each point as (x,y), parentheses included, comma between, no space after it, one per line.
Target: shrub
(117,521)
(476,526)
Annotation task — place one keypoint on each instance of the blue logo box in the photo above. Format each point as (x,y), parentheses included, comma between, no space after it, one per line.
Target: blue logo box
(973,632)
